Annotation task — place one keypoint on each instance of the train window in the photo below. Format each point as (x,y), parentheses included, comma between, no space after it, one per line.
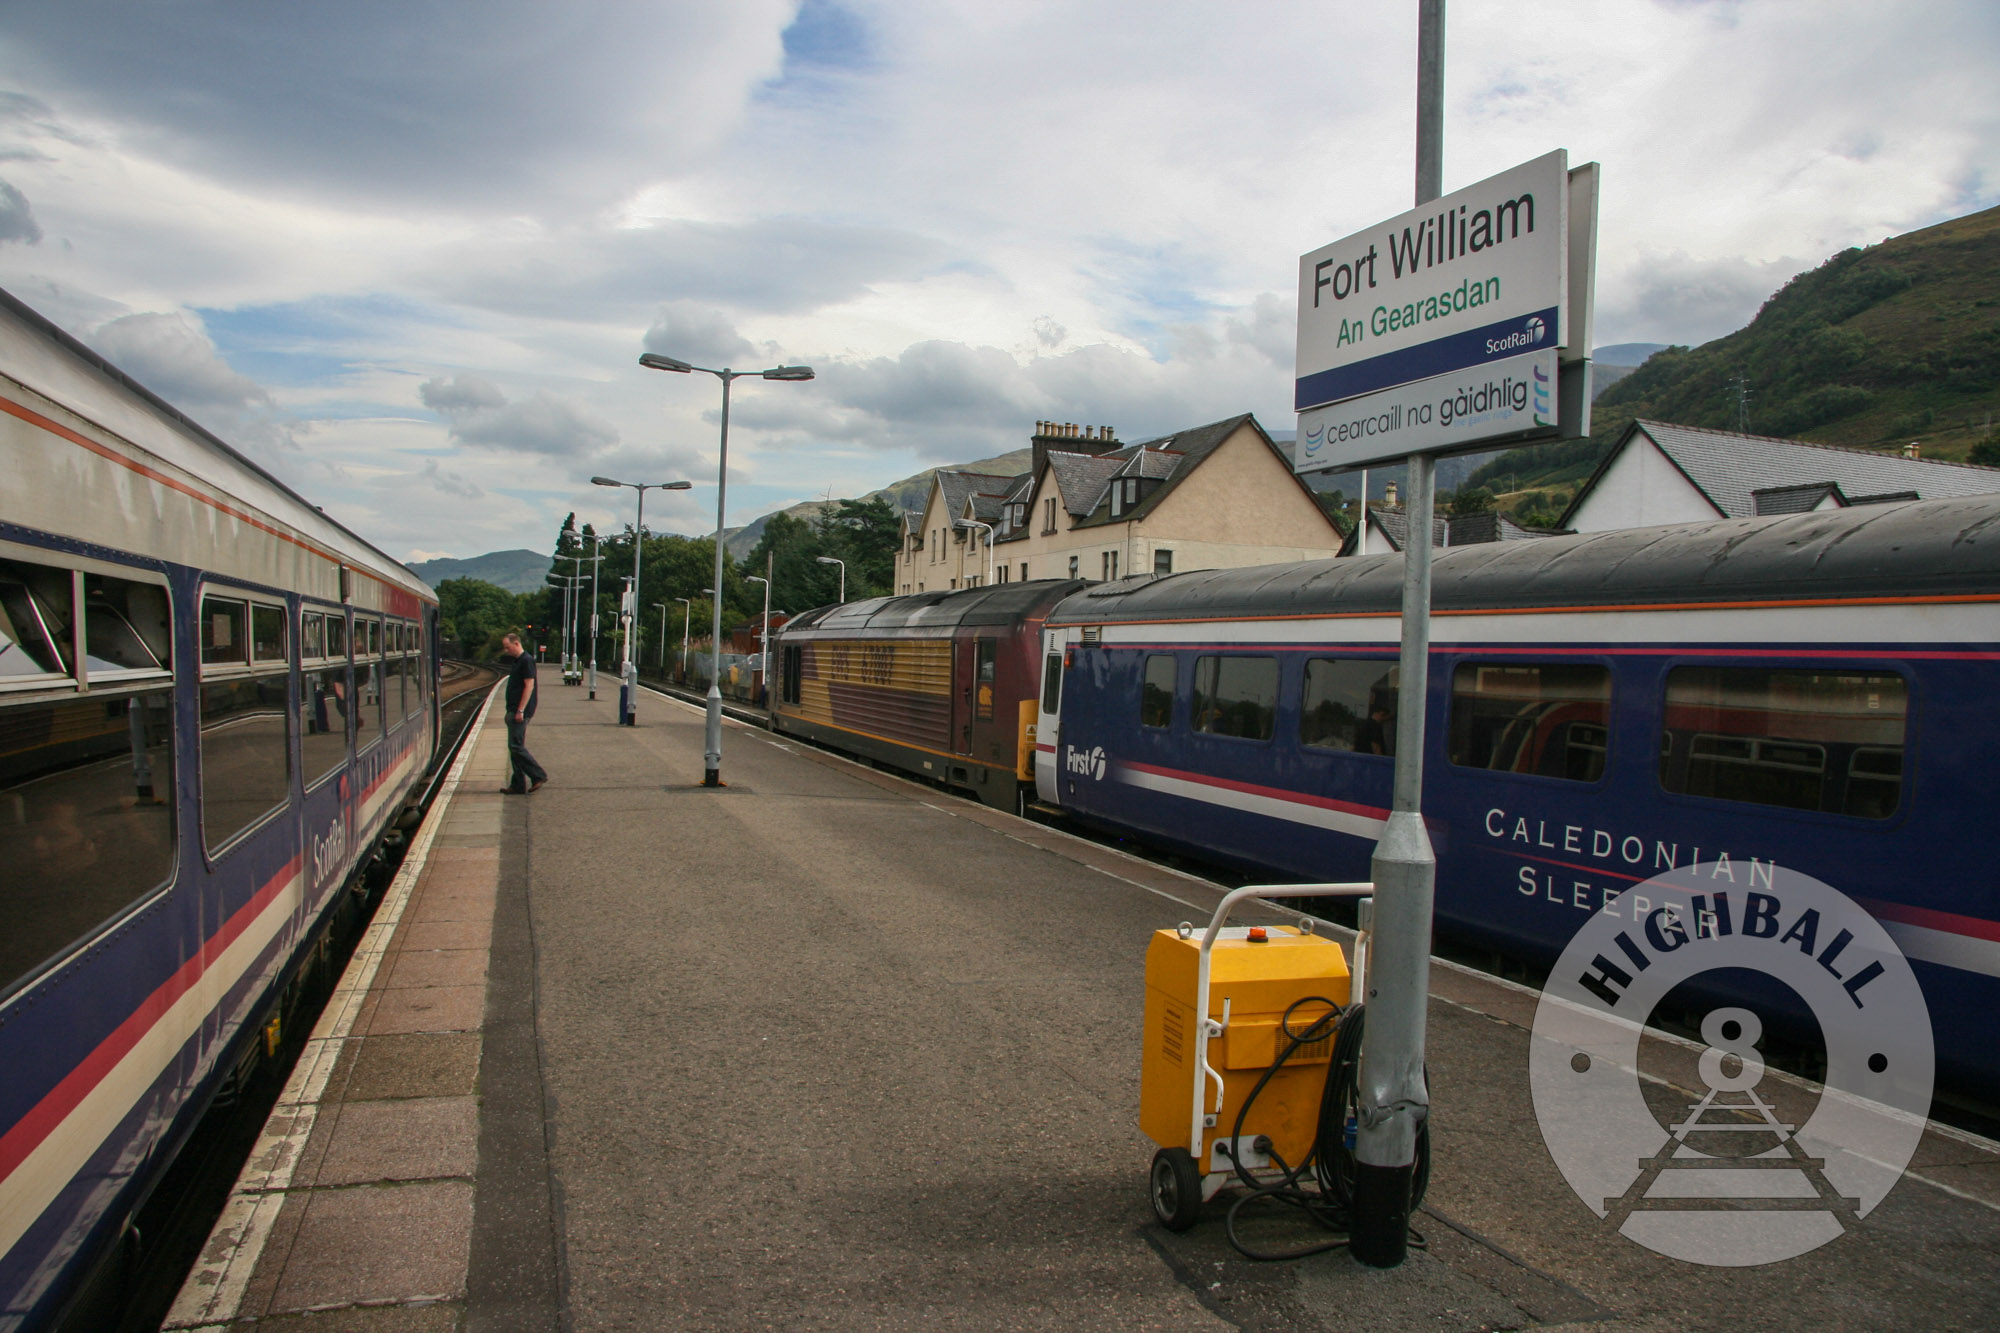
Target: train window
(1830,741)
(1349,704)
(1052,674)
(30,644)
(336,635)
(794,673)
(267,633)
(312,636)
(1546,718)
(245,757)
(367,699)
(322,721)
(86,783)
(225,626)
(126,626)
(1236,696)
(1156,695)
(988,665)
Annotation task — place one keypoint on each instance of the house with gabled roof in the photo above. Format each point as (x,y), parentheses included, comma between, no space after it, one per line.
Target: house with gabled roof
(1660,473)
(1217,496)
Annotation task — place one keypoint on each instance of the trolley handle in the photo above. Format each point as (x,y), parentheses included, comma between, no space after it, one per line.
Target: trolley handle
(1204,1025)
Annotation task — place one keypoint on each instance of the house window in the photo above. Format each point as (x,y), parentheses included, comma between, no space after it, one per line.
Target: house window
(1024,571)
(1117,500)
(1072,566)
(1110,566)
(1049,514)
(1163,562)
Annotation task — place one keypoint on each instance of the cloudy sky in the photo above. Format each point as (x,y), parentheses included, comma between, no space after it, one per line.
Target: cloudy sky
(407,254)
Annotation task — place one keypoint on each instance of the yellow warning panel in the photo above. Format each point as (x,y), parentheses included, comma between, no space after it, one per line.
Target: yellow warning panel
(1255,973)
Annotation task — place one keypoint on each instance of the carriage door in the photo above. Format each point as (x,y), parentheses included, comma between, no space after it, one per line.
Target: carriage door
(963,671)
(1048,718)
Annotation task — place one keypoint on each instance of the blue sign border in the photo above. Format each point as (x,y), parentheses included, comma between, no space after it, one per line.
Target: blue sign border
(1441,356)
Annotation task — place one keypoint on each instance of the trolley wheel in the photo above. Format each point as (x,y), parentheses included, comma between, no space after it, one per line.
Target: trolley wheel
(1176,1189)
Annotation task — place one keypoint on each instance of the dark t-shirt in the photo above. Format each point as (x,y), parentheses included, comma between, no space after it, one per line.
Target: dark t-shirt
(519,673)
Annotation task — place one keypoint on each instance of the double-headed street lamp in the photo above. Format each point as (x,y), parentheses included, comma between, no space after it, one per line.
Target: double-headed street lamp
(628,693)
(836,560)
(712,759)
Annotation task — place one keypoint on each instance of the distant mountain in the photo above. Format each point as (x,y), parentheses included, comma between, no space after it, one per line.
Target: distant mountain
(516,571)
(1632,355)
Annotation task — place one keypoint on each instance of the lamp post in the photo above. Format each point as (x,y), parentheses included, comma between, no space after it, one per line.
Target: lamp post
(687,624)
(712,765)
(764,633)
(661,607)
(835,560)
(975,523)
(628,692)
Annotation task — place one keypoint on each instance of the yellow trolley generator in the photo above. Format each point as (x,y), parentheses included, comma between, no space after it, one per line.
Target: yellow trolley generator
(1248,1069)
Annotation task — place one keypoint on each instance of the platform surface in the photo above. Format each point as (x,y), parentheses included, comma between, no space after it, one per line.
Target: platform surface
(825,1049)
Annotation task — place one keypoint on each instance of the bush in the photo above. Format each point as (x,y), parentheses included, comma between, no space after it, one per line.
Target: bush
(1987,451)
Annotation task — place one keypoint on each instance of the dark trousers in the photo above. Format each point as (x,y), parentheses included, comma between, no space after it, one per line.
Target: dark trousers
(526,770)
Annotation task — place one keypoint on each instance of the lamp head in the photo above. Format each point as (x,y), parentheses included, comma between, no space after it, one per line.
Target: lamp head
(605,481)
(678,486)
(654,361)
(789,373)
(827,559)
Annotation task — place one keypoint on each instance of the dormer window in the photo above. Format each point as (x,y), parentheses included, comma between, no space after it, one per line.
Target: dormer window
(1124,494)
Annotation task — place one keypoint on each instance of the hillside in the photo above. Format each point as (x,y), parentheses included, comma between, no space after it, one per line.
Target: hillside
(1875,348)
(516,571)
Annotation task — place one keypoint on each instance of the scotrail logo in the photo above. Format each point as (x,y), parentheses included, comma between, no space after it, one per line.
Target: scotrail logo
(1085,763)
(1529,334)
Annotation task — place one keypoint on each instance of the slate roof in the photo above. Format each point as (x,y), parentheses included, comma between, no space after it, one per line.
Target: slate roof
(1447,530)
(1081,479)
(1729,469)
(1800,499)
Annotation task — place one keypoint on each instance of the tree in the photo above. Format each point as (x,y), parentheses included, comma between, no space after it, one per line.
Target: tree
(1987,451)
(1470,500)
(866,534)
(476,613)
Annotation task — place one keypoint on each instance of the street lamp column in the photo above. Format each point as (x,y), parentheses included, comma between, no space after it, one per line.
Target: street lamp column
(712,757)
(764,634)
(975,523)
(836,560)
(628,691)
(687,625)
(662,608)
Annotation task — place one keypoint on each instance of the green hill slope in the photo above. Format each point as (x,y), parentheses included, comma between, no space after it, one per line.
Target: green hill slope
(1877,347)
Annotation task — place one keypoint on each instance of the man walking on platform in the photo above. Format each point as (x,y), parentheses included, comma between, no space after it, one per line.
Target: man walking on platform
(528,775)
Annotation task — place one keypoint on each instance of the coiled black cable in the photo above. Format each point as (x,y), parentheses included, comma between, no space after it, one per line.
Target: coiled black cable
(1330,1199)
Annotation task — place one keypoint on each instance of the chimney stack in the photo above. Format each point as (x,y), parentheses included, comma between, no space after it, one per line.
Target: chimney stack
(1070,438)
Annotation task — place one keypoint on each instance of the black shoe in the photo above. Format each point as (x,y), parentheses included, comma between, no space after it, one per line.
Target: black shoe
(514,791)
(537,785)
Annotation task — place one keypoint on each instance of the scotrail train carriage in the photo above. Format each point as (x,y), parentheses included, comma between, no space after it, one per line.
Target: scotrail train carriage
(1817,692)
(940,684)
(213,701)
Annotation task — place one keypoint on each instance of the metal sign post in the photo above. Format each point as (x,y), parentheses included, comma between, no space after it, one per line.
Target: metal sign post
(1392,1099)
(1463,324)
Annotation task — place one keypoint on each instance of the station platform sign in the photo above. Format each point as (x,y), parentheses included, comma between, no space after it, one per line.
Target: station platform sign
(1460,325)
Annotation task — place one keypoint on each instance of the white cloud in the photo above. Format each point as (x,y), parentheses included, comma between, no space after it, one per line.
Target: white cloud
(966,216)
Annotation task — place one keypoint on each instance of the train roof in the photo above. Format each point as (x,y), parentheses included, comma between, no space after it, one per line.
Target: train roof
(1001,604)
(1924,548)
(47,360)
